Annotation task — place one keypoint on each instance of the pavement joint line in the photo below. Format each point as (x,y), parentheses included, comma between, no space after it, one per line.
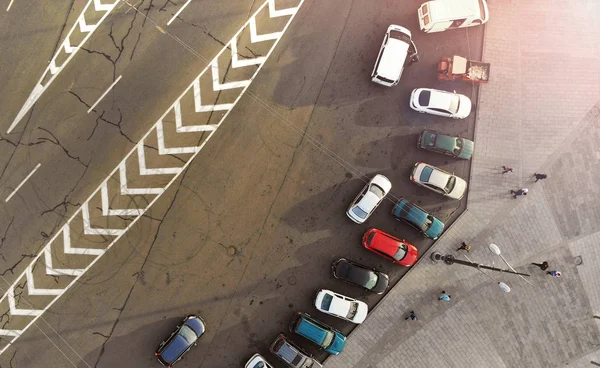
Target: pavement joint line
(115,234)
(22,182)
(178,12)
(105,93)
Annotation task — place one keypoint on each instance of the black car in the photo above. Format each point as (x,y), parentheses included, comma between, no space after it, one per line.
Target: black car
(360,275)
(181,341)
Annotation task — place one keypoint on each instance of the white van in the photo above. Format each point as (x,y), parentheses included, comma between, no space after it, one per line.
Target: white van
(397,50)
(440,15)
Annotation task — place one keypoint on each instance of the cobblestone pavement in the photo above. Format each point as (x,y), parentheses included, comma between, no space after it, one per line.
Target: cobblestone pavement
(539,113)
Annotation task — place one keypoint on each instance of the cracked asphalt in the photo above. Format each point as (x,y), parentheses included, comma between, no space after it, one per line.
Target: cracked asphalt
(246,235)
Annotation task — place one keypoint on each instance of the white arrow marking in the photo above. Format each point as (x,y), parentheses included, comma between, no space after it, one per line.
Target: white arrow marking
(162,150)
(126,190)
(20,312)
(255,37)
(103,7)
(56,271)
(279,13)
(81,251)
(160,171)
(206,108)
(85,28)
(235,60)
(33,291)
(87,226)
(14,333)
(190,128)
(68,48)
(217,86)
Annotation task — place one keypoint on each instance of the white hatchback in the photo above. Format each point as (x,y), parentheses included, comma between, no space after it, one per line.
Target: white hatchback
(442,103)
(369,198)
(438,180)
(341,306)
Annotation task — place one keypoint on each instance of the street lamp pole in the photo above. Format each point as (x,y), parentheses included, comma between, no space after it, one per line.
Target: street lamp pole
(449,260)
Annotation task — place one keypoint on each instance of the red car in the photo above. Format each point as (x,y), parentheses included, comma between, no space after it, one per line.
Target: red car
(386,245)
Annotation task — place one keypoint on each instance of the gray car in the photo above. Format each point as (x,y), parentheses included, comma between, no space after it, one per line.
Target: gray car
(291,354)
(456,147)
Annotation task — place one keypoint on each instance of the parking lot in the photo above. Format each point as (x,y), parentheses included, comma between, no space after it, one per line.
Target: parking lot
(247,236)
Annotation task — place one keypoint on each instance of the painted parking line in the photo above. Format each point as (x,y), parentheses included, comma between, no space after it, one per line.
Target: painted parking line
(23,182)
(64,241)
(178,12)
(9,5)
(105,93)
(53,69)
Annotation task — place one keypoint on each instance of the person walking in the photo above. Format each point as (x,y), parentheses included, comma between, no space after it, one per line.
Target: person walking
(539,177)
(464,246)
(553,273)
(543,265)
(445,297)
(520,192)
(506,169)
(412,316)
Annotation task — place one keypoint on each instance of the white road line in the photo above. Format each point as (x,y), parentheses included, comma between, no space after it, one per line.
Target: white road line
(9,5)
(179,11)
(53,70)
(104,94)
(65,243)
(23,182)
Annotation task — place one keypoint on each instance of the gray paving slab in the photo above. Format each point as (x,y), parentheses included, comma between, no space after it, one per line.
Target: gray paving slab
(537,114)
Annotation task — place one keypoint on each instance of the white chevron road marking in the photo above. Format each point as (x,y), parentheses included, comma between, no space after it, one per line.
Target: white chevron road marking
(174,172)
(66,46)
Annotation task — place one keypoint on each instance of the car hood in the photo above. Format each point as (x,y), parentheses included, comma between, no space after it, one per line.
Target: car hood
(382,283)
(460,187)
(435,230)
(339,341)
(361,313)
(465,107)
(467,149)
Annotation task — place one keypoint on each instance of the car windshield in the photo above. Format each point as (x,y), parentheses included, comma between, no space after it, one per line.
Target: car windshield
(424,97)
(326,303)
(454,104)
(428,222)
(372,281)
(352,311)
(401,252)
(329,336)
(425,174)
(359,212)
(188,334)
(459,145)
(400,36)
(450,184)
(377,191)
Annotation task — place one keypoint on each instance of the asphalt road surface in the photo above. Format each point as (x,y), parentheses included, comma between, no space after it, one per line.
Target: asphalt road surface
(246,235)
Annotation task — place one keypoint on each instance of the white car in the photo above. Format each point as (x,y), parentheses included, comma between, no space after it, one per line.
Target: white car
(442,103)
(257,361)
(369,198)
(438,180)
(341,306)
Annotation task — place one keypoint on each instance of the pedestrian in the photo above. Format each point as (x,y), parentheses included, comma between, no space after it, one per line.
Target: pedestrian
(520,192)
(539,177)
(412,316)
(464,246)
(506,169)
(543,265)
(554,273)
(445,297)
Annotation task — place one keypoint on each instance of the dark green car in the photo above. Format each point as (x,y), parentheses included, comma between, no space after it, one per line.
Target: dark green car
(441,143)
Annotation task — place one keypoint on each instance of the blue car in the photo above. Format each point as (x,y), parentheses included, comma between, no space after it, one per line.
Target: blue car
(418,218)
(181,341)
(329,339)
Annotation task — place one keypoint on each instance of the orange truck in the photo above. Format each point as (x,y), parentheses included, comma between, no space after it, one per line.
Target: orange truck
(458,67)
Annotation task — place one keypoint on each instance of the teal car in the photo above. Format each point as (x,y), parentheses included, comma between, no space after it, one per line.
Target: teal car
(456,147)
(329,339)
(418,218)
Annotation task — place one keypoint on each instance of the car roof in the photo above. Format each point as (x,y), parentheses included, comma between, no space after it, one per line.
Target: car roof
(307,328)
(438,177)
(454,9)
(392,59)
(384,243)
(174,348)
(368,202)
(338,305)
(440,99)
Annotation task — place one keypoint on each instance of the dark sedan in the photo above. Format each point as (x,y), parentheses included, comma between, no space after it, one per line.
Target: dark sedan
(181,341)
(446,144)
(360,275)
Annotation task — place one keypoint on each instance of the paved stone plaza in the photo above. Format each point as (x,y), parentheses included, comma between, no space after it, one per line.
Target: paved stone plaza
(539,113)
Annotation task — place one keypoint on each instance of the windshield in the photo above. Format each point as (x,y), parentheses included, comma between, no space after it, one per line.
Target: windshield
(454,104)
(428,222)
(459,145)
(326,303)
(450,184)
(188,334)
(359,212)
(329,336)
(377,191)
(372,281)
(425,174)
(352,311)
(399,36)
(401,252)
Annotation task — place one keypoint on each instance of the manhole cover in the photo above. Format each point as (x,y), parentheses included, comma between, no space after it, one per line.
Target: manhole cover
(578,260)
(231,251)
